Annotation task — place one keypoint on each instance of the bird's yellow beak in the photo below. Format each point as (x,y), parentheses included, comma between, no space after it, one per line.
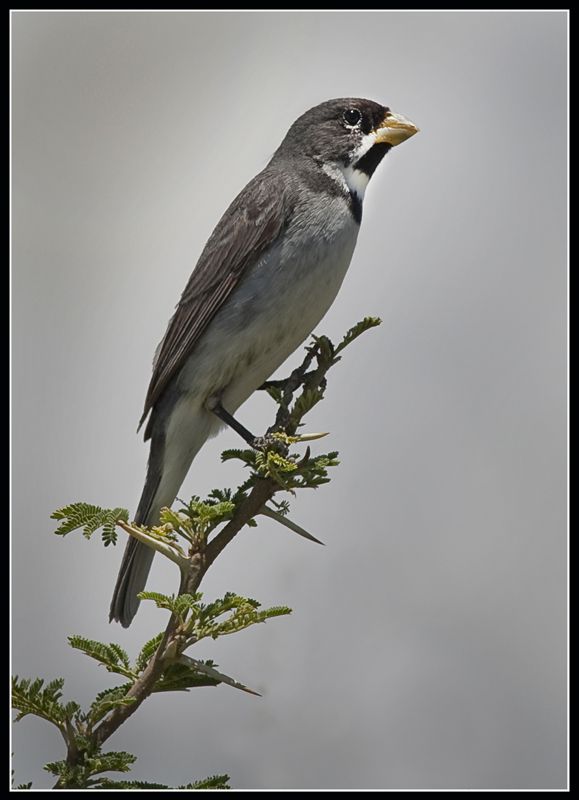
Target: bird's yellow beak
(395,129)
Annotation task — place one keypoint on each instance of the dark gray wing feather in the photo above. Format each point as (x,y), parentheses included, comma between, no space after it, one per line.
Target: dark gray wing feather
(249,226)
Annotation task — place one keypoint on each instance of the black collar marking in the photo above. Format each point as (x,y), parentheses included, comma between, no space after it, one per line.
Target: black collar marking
(372,158)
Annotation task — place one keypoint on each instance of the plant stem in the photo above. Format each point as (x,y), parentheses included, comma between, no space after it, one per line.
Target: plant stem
(263,490)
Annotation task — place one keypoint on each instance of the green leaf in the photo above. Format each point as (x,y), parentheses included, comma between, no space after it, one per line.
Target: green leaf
(179,677)
(90,518)
(113,761)
(56,767)
(160,600)
(111,656)
(147,651)
(275,392)
(211,512)
(325,347)
(108,699)
(33,697)
(215,782)
(184,605)
(357,330)
(120,654)
(176,519)
(247,456)
(75,516)
(202,620)
(109,525)
(106,783)
(112,693)
(242,614)
(198,518)
(305,402)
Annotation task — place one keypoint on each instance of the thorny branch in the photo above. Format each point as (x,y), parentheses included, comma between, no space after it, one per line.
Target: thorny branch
(293,405)
(203,557)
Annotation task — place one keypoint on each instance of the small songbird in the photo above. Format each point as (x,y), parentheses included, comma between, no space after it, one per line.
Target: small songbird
(269,272)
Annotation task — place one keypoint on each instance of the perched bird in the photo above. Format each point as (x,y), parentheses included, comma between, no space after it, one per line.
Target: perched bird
(267,275)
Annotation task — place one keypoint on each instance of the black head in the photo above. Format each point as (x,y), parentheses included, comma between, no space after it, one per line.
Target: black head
(348,133)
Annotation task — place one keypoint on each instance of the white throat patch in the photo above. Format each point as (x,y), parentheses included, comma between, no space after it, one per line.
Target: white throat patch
(350,178)
(356,180)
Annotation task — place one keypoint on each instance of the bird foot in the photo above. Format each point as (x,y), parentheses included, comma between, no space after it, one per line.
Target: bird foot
(269,442)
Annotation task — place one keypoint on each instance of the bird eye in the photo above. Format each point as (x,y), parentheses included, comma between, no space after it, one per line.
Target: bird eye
(352,117)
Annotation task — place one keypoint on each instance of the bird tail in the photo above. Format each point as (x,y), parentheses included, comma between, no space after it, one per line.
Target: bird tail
(169,462)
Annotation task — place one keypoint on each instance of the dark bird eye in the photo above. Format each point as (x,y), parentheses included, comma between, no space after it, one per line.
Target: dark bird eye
(352,117)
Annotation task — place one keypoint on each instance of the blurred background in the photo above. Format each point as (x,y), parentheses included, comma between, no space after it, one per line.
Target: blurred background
(427,644)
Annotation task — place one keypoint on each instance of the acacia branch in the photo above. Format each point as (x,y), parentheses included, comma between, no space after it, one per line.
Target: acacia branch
(263,490)
(273,469)
(202,553)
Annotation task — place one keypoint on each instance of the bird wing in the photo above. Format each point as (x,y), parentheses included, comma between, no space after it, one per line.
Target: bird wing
(250,225)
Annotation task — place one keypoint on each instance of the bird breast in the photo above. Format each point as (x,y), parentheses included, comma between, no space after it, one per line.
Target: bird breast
(275,306)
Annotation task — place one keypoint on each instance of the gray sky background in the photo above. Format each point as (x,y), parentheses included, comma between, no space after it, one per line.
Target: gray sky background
(427,644)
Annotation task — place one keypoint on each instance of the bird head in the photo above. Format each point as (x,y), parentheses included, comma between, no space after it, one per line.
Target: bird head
(351,134)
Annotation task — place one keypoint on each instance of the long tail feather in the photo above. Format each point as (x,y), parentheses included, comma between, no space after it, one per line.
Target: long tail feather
(169,461)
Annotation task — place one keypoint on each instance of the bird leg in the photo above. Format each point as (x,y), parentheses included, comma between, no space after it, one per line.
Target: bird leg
(216,408)
(257,442)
